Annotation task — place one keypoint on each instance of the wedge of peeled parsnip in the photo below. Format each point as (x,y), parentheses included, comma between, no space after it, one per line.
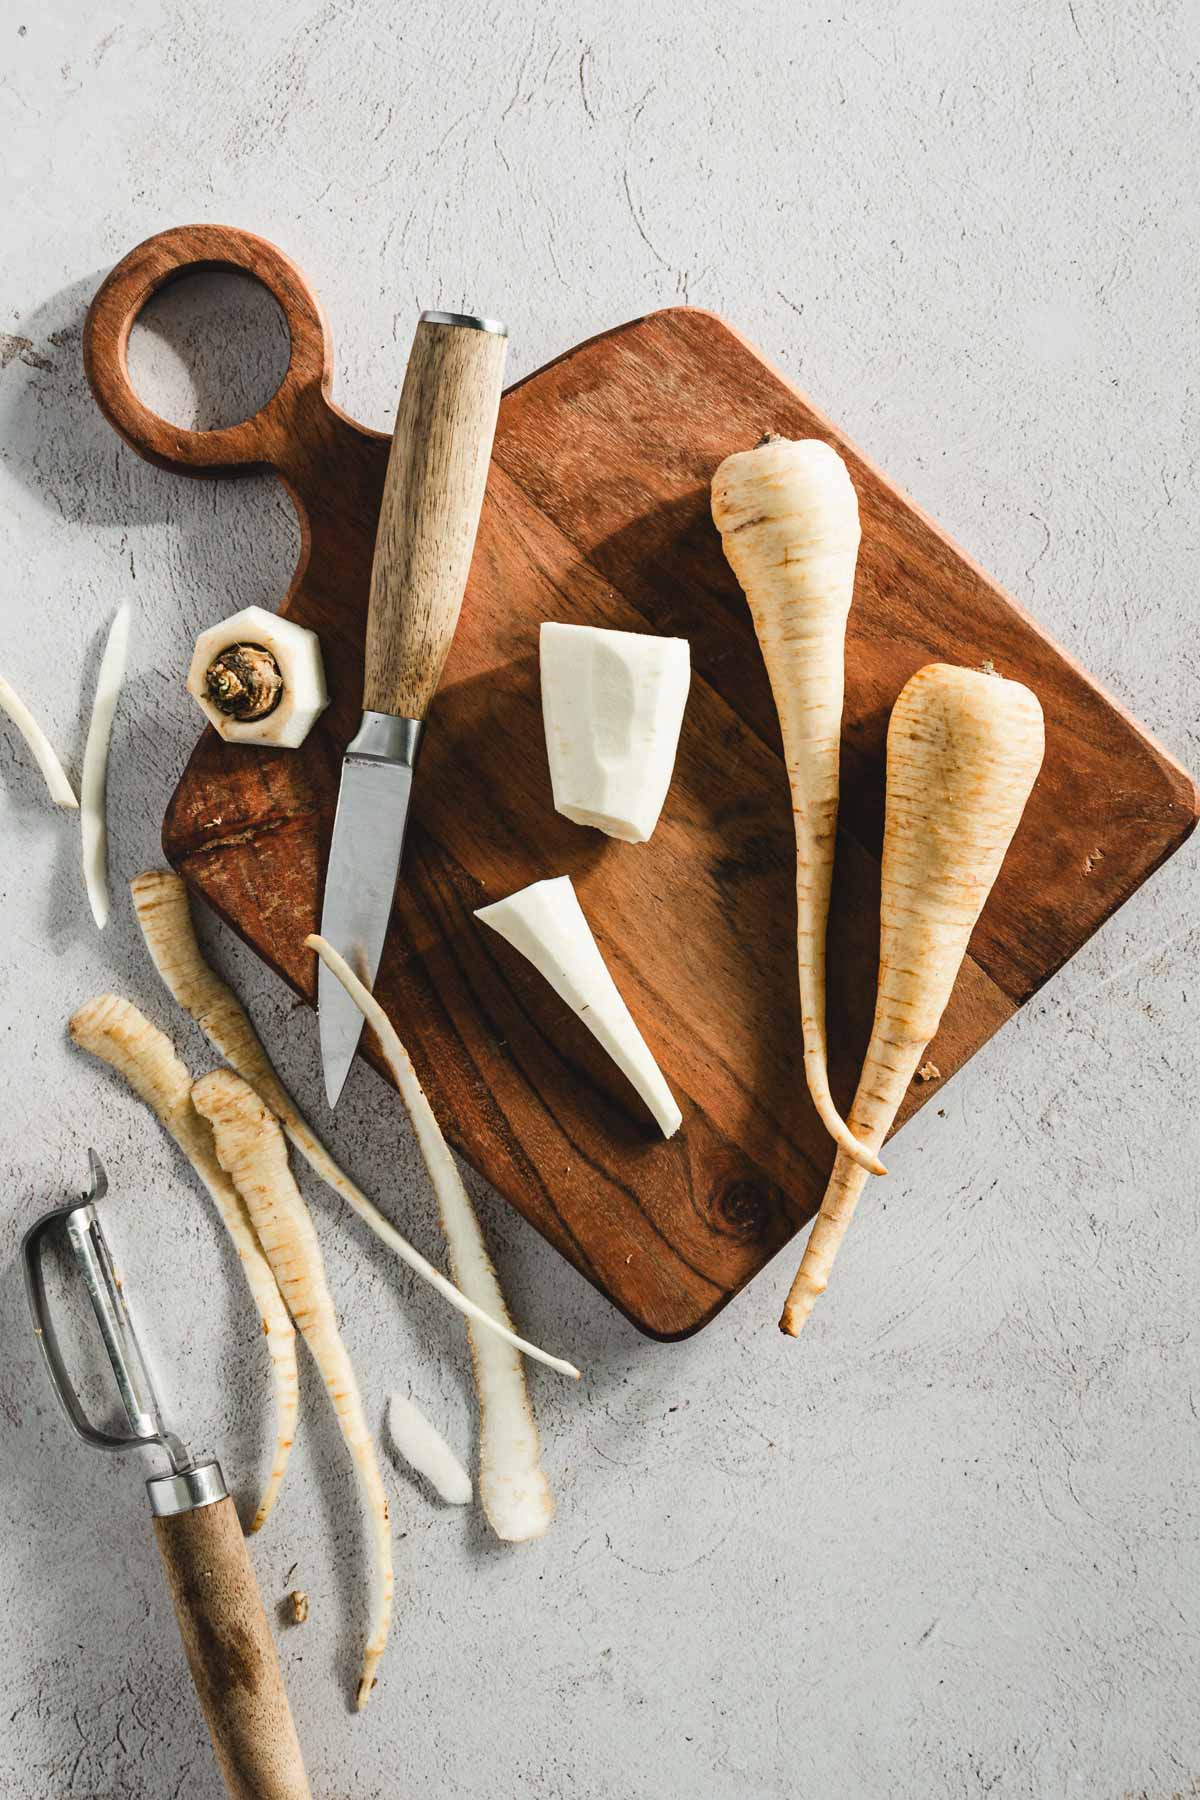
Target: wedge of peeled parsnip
(788,518)
(963,752)
(545,923)
(612,703)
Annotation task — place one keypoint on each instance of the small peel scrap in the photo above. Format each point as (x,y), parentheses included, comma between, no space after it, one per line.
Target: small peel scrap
(41,749)
(92,813)
(253,1153)
(425,1449)
(115,1031)
(512,1485)
(160,901)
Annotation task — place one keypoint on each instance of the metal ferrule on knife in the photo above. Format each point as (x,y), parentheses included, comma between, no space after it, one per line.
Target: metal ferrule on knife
(382,737)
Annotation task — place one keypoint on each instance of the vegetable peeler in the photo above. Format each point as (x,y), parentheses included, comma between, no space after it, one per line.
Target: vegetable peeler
(225,1633)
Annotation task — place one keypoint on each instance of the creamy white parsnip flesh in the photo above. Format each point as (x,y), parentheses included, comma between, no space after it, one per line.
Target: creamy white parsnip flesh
(613,703)
(545,923)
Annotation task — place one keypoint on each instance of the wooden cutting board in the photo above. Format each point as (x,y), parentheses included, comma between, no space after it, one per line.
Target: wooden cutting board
(597,512)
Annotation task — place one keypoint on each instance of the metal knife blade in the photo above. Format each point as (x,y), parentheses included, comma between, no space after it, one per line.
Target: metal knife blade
(364,859)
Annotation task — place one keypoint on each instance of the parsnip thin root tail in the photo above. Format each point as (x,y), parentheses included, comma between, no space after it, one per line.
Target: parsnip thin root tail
(817,1072)
(252,1151)
(512,1486)
(115,1031)
(160,901)
(964,750)
(788,517)
(829,1228)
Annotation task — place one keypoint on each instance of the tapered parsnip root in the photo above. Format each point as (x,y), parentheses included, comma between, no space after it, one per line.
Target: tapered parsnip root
(964,750)
(160,901)
(251,1149)
(515,1493)
(788,517)
(43,751)
(116,1032)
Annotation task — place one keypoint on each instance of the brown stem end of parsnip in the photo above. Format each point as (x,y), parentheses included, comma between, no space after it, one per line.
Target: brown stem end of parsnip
(244,682)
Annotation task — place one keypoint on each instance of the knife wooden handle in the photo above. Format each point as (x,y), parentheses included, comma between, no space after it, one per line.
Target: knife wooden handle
(231,1653)
(432,498)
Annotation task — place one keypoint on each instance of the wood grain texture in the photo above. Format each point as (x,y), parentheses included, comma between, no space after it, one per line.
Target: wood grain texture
(597,512)
(231,1653)
(436,474)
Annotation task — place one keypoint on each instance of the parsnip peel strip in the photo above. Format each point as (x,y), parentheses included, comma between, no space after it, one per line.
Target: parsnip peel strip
(512,1485)
(41,749)
(93,786)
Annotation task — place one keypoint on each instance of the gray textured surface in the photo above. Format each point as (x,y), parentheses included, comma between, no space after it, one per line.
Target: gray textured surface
(946,1545)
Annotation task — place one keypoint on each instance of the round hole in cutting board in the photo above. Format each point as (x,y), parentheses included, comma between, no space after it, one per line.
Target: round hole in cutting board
(209,350)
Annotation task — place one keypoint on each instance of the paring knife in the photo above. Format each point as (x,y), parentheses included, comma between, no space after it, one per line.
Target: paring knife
(432,496)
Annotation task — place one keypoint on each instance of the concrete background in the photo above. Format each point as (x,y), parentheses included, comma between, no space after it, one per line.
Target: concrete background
(946,1545)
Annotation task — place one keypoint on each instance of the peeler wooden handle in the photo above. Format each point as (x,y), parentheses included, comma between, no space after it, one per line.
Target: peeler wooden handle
(228,1641)
(432,497)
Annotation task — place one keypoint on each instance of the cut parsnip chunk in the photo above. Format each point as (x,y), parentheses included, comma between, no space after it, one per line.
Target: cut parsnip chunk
(259,679)
(612,702)
(545,923)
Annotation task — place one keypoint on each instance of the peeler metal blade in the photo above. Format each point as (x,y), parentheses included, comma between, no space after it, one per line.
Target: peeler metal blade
(93,1258)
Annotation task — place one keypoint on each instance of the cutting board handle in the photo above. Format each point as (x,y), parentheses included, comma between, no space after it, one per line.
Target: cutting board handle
(298,410)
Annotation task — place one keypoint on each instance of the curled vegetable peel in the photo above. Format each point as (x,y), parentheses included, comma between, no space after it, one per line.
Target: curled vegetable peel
(515,1493)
